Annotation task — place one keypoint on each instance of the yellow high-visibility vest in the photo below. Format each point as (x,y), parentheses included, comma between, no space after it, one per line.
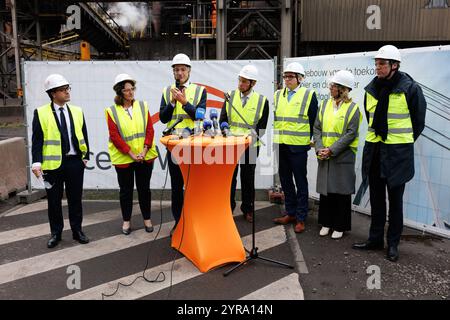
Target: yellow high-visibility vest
(334,125)
(399,123)
(291,121)
(252,112)
(52,148)
(193,95)
(132,132)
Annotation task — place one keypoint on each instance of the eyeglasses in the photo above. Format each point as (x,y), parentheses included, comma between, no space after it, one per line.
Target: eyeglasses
(64,89)
(133,89)
(180,69)
(289,76)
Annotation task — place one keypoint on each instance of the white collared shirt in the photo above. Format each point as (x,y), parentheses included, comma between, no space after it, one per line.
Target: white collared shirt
(129,110)
(296,89)
(336,105)
(248,96)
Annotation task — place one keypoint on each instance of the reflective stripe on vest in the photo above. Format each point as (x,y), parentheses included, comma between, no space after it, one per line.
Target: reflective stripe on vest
(252,112)
(334,125)
(193,95)
(132,131)
(399,123)
(51,150)
(291,122)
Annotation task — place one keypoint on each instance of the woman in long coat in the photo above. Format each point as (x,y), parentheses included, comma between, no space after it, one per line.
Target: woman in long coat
(336,140)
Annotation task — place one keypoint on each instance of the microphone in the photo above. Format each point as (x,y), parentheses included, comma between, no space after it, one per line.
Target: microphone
(213,116)
(199,116)
(207,125)
(169,129)
(186,133)
(177,84)
(227,96)
(225,128)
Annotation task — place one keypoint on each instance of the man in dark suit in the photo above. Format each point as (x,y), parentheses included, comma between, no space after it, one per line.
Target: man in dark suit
(60,152)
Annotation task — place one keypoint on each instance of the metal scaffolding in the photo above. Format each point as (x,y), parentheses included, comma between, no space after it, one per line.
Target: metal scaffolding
(23,37)
(254,29)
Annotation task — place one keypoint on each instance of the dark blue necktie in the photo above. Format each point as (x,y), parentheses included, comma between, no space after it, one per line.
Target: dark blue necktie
(64,132)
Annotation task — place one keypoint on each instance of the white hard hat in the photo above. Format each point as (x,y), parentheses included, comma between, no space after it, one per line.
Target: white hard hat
(295,67)
(181,58)
(249,72)
(389,52)
(55,81)
(344,78)
(122,77)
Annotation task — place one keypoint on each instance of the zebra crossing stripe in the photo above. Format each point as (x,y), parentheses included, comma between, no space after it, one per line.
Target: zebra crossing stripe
(42,205)
(184,270)
(287,288)
(90,219)
(44,229)
(57,259)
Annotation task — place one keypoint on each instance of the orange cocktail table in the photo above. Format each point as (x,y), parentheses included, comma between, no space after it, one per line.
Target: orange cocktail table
(206,233)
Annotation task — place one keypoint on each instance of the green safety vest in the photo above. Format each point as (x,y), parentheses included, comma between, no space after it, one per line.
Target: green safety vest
(252,112)
(193,95)
(52,149)
(399,123)
(334,125)
(132,132)
(291,121)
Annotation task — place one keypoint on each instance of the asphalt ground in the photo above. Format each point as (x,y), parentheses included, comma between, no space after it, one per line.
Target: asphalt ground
(330,269)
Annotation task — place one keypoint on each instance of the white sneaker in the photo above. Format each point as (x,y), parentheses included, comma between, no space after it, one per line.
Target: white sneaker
(324,231)
(337,235)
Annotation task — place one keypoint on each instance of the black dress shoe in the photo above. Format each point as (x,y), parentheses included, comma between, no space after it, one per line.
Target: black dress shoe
(149,229)
(368,245)
(126,231)
(392,253)
(53,241)
(80,237)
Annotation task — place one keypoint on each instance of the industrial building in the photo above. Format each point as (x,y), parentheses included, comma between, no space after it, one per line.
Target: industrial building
(222,29)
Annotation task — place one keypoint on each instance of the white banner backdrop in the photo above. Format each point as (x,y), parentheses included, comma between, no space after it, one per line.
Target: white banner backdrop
(427,196)
(92,83)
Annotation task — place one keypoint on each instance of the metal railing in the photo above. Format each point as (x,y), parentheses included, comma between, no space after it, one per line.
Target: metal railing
(202,28)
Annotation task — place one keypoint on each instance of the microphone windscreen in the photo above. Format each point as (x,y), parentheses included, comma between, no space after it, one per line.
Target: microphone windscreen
(186,132)
(224,125)
(207,124)
(200,114)
(213,114)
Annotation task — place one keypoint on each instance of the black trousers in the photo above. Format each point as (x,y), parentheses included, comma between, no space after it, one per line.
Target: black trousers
(70,174)
(177,184)
(335,211)
(378,186)
(125,176)
(248,166)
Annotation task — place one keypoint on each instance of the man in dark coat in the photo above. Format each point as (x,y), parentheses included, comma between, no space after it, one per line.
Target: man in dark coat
(395,108)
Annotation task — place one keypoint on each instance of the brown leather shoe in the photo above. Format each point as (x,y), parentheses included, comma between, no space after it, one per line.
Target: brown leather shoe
(284,219)
(249,217)
(299,227)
